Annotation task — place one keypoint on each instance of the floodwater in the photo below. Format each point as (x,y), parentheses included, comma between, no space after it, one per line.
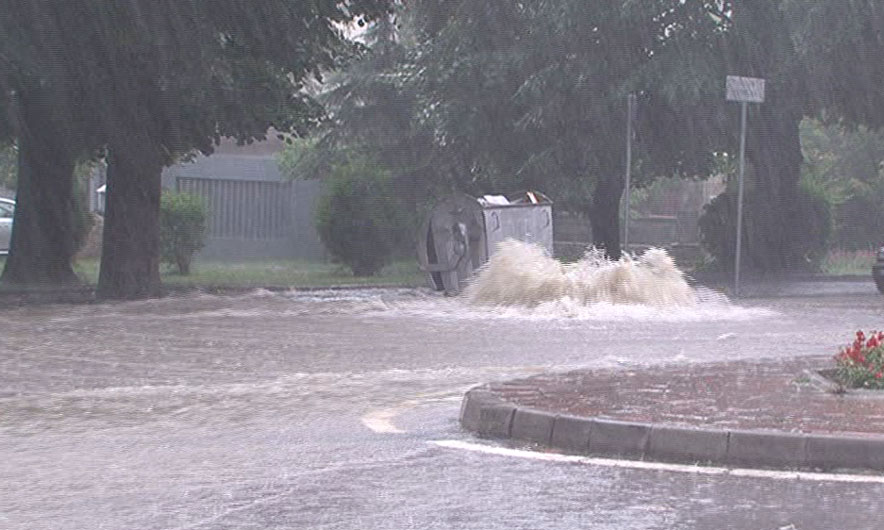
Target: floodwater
(323,409)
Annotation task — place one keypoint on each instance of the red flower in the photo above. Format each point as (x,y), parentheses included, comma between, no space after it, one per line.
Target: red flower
(878,375)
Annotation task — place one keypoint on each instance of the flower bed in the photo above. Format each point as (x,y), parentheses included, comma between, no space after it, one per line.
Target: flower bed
(861,364)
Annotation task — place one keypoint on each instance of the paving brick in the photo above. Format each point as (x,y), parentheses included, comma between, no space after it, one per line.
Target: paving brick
(687,444)
(831,452)
(618,438)
(762,448)
(571,434)
(533,426)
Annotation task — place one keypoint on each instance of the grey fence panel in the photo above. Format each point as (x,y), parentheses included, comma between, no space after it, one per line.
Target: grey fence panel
(258,219)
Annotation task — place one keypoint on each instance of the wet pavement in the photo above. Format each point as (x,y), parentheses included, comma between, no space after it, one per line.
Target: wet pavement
(320,410)
(790,395)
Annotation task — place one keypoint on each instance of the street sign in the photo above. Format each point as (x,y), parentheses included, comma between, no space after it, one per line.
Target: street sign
(746,89)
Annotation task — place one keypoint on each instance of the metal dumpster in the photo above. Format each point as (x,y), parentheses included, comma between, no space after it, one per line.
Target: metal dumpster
(462,232)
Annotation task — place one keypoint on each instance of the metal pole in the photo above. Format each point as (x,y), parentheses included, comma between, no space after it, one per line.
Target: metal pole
(743,106)
(630,103)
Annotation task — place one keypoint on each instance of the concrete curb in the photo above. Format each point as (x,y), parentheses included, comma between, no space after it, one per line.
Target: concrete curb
(490,416)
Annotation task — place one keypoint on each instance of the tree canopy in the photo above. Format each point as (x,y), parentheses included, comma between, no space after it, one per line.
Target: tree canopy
(515,95)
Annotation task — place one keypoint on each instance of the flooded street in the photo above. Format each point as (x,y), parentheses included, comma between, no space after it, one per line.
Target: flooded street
(322,410)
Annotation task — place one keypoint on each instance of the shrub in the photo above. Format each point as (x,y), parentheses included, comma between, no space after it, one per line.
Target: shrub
(183,218)
(359,219)
(861,365)
(860,219)
(766,246)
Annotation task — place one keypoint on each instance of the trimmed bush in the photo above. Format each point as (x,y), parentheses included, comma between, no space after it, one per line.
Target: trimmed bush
(860,219)
(767,245)
(183,223)
(359,219)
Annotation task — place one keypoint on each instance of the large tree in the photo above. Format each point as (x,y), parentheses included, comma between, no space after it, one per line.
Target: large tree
(533,95)
(153,80)
(819,59)
(41,109)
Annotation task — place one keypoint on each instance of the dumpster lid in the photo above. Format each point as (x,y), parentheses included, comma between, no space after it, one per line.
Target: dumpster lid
(521,198)
(494,200)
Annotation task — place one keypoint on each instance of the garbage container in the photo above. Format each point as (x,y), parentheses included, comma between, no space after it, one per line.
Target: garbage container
(462,232)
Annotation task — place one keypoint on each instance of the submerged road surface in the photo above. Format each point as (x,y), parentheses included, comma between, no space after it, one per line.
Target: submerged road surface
(339,410)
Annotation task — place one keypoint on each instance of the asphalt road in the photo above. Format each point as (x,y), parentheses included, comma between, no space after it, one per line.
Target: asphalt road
(339,410)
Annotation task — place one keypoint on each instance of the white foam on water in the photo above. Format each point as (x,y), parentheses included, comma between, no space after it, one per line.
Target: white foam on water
(523,274)
(521,281)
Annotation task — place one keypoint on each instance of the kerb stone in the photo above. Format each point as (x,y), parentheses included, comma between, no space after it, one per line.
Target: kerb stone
(571,434)
(533,426)
(756,448)
(495,421)
(618,438)
(831,452)
(686,444)
(472,405)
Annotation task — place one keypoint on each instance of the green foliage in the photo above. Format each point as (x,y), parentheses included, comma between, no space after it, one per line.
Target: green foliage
(375,107)
(183,218)
(847,166)
(860,221)
(359,218)
(181,72)
(839,262)
(297,158)
(767,247)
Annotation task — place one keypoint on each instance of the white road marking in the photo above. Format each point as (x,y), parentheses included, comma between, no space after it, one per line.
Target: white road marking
(658,466)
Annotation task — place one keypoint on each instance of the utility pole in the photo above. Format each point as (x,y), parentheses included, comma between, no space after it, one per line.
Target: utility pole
(630,117)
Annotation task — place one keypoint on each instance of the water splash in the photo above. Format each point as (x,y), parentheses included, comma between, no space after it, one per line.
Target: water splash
(522,274)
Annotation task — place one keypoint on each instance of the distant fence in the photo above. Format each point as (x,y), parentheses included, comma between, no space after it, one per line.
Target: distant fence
(678,233)
(258,219)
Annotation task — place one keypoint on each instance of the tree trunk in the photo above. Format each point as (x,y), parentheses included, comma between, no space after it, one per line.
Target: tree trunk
(42,243)
(130,258)
(773,147)
(604,216)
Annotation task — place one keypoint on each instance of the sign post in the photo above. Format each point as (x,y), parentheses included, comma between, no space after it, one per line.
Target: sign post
(745,90)
(630,117)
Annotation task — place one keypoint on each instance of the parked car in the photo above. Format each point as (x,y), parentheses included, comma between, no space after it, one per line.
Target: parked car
(878,270)
(7,208)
